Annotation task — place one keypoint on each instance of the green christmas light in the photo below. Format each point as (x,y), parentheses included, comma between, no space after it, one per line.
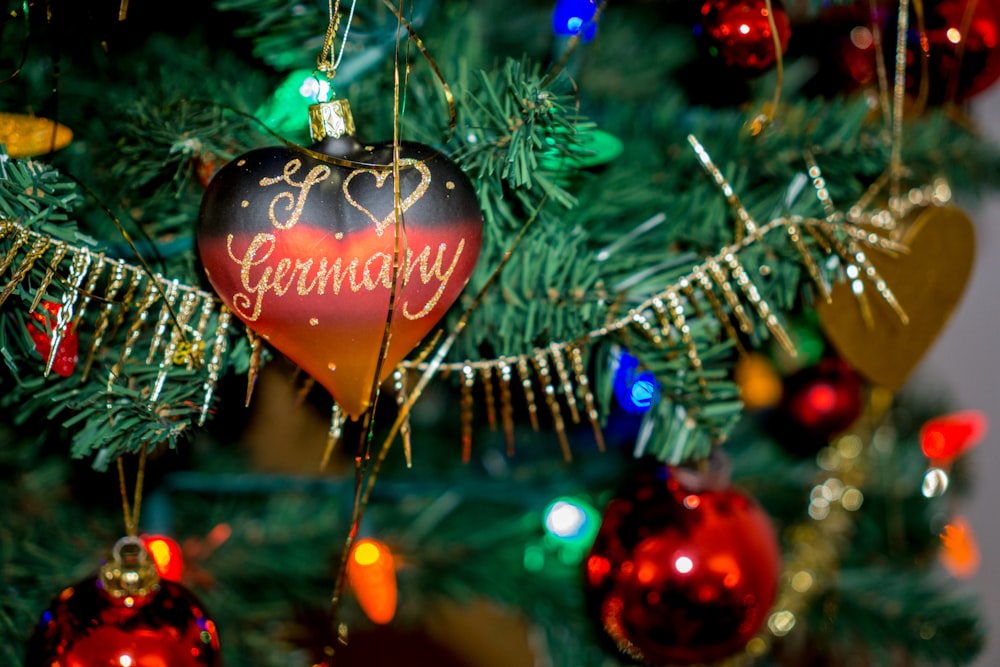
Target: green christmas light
(571,522)
(287,110)
(593,147)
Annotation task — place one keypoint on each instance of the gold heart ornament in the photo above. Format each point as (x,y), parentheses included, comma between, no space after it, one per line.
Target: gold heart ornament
(928,282)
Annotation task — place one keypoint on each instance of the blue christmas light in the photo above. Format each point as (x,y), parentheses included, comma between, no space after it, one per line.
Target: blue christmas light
(637,391)
(575,17)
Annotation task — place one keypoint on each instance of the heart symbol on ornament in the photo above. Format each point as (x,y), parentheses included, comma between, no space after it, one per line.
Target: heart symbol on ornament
(290,243)
(380,178)
(928,281)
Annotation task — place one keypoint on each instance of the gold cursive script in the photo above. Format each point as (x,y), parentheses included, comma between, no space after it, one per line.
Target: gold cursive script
(307,276)
(290,204)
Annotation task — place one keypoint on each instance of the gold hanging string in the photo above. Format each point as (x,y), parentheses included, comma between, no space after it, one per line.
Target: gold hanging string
(766,116)
(361,459)
(885,103)
(131,511)
(898,102)
(923,93)
(952,92)
(326,61)
(404,410)
(446,89)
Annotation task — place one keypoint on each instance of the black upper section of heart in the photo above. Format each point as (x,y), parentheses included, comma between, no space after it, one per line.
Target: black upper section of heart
(275,188)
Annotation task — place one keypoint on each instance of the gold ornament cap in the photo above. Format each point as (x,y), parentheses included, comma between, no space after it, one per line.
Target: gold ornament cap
(130,575)
(331,119)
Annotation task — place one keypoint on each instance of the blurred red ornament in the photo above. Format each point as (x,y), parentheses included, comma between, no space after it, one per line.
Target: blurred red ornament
(960,40)
(963,46)
(818,403)
(681,575)
(67,348)
(371,573)
(167,556)
(945,438)
(739,32)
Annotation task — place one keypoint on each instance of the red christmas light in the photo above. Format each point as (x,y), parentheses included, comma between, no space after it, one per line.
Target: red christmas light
(167,556)
(945,438)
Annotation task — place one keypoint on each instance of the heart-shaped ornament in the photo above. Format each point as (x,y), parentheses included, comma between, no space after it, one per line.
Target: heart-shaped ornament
(928,281)
(301,249)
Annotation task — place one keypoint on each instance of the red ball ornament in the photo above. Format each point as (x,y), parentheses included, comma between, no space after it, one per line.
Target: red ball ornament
(818,403)
(963,47)
(300,244)
(680,574)
(740,33)
(43,330)
(131,621)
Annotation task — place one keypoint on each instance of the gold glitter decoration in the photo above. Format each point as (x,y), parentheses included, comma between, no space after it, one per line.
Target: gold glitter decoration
(256,346)
(21,237)
(160,330)
(115,282)
(150,293)
(749,224)
(38,249)
(337,420)
(676,314)
(89,290)
(529,392)
(214,366)
(545,376)
(486,373)
(565,382)
(763,309)
(399,385)
(50,273)
(177,337)
(580,372)
(507,406)
(77,272)
(468,381)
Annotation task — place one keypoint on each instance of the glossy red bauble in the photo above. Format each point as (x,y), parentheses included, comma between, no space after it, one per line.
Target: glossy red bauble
(301,243)
(86,627)
(680,575)
(41,329)
(739,32)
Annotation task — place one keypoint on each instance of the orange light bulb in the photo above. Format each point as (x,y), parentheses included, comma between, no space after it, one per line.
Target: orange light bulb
(959,549)
(371,574)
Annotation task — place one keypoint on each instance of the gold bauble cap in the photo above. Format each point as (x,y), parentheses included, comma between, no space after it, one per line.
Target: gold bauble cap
(131,574)
(330,120)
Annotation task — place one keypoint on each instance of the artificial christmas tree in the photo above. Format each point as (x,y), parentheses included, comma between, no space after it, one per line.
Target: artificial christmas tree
(637,216)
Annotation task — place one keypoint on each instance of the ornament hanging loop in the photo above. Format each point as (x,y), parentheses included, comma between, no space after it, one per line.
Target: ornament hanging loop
(130,573)
(327,61)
